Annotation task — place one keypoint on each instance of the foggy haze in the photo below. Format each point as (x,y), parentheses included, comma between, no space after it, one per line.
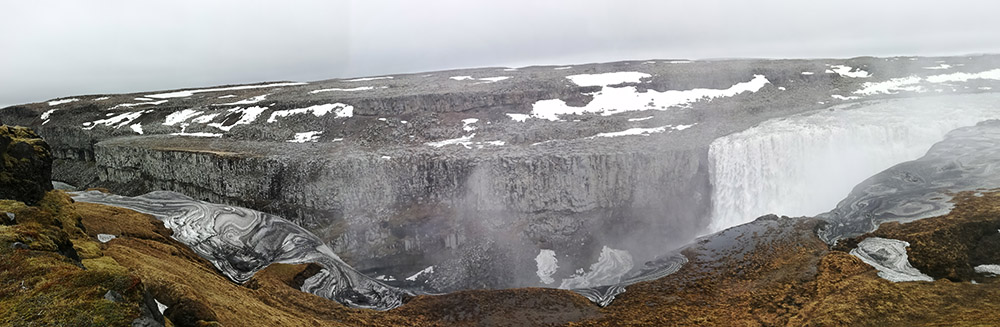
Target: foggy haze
(60,48)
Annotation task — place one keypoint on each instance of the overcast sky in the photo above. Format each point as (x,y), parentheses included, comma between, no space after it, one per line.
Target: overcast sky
(51,49)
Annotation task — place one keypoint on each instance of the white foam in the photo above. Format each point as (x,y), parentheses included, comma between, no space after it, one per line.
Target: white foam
(304,137)
(547,265)
(428,270)
(608,270)
(339,109)
(187,93)
(59,102)
(614,100)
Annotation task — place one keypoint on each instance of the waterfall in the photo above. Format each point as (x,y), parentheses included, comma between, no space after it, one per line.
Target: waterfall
(803,165)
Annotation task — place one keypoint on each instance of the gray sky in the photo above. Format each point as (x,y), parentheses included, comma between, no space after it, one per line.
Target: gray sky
(51,48)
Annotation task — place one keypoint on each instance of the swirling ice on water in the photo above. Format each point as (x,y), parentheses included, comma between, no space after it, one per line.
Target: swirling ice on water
(968,159)
(240,242)
(803,164)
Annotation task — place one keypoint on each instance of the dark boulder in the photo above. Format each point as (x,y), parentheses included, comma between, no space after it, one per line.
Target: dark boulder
(26,170)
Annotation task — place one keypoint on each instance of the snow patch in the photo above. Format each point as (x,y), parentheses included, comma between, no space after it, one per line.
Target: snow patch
(137,127)
(104,238)
(180,116)
(912,83)
(518,117)
(247,116)
(306,137)
(339,109)
(614,100)
(988,269)
(59,102)
(642,131)
(102,98)
(115,121)
(129,105)
(848,71)
(807,73)
(562,68)
(204,119)
(459,140)
(252,100)
(467,124)
(187,93)
(640,119)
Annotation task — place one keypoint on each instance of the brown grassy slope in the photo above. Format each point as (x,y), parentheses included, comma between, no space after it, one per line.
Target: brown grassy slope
(794,281)
(785,277)
(53,274)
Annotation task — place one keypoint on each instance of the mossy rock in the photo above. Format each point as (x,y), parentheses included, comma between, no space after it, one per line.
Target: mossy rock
(26,170)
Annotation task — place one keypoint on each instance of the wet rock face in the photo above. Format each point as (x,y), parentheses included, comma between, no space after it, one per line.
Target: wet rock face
(26,171)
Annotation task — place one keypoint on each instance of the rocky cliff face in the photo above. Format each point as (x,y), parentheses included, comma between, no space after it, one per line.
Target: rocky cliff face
(472,169)
(26,172)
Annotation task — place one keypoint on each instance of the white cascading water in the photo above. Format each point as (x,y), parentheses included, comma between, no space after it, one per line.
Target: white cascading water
(805,164)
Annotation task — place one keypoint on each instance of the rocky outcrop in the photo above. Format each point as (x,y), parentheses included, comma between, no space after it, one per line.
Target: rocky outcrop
(26,171)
